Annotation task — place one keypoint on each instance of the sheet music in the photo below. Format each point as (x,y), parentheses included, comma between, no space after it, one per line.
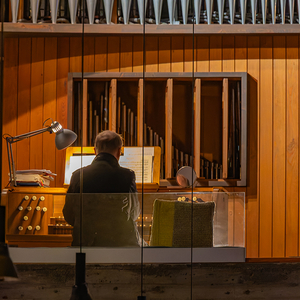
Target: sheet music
(135,163)
(138,151)
(75,164)
(132,159)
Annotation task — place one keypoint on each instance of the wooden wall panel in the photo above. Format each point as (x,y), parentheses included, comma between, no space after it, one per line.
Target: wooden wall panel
(272,62)
(266,142)
(126,54)
(113,54)
(215,54)
(89,54)
(177,54)
(202,54)
(240,54)
(151,55)
(37,101)
(23,125)
(252,195)
(228,53)
(164,54)
(63,64)
(292,146)
(101,54)
(138,54)
(188,54)
(50,65)
(279,107)
(10,96)
(76,54)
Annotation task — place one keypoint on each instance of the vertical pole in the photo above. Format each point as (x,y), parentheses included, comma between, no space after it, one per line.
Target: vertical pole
(225,127)
(197,125)
(168,134)
(140,113)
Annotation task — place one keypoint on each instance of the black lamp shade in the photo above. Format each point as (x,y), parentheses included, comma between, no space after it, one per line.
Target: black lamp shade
(65,138)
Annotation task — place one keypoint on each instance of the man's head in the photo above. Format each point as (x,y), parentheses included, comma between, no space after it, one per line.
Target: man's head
(109,142)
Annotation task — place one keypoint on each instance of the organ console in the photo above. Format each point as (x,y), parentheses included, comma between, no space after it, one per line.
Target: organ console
(34,214)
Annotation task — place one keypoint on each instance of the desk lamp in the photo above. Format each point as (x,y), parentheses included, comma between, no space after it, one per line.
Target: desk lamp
(63,139)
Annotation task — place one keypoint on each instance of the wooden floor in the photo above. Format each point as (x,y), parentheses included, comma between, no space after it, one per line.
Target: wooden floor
(160,281)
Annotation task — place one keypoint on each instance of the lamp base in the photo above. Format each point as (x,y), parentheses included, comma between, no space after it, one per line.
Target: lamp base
(80,292)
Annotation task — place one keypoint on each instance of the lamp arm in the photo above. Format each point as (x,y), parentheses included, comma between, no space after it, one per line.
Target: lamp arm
(21,137)
(13,139)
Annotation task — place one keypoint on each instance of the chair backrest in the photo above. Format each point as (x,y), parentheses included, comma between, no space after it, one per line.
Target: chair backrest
(182,224)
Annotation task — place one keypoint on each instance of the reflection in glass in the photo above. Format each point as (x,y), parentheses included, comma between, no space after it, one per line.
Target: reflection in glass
(210,219)
(186,176)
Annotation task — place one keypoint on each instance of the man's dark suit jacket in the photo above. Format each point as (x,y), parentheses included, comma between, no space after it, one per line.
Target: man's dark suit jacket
(108,219)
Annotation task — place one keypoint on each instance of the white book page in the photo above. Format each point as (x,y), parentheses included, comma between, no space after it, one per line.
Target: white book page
(75,164)
(135,163)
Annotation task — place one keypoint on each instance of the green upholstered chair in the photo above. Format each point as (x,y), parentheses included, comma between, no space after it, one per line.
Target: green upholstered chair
(173,224)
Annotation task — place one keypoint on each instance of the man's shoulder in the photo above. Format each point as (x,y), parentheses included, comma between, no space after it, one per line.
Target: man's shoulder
(126,170)
(76,173)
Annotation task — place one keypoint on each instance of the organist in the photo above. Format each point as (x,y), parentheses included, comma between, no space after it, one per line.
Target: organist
(110,205)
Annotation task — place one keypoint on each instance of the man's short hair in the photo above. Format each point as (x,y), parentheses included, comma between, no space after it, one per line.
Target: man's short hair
(108,141)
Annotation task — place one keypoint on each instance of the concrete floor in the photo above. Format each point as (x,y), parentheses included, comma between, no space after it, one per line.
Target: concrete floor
(164,281)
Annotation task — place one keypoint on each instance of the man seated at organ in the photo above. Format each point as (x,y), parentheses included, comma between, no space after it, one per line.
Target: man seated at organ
(110,205)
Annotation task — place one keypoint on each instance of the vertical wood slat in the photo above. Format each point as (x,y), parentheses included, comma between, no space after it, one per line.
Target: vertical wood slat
(112,121)
(70,121)
(151,55)
(10,72)
(279,155)
(215,54)
(202,54)
(140,113)
(188,58)
(177,54)
(292,146)
(138,55)
(197,126)
(85,113)
(23,108)
(164,54)
(228,53)
(240,55)
(50,66)
(63,55)
(101,54)
(252,203)
(89,54)
(75,54)
(37,102)
(265,149)
(113,54)
(126,63)
(225,127)
(168,133)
